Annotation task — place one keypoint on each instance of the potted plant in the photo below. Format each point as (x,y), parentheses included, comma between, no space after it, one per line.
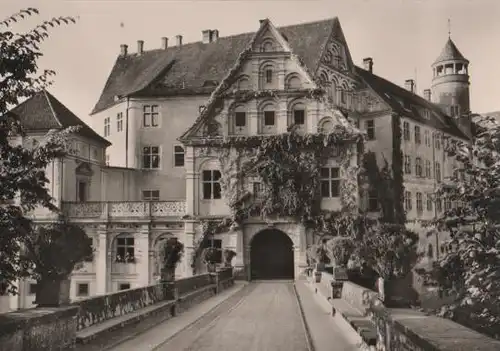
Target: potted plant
(228,257)
(318,256)
(339,250)
(173,250)
(212,256)
(55,250)
(391,251)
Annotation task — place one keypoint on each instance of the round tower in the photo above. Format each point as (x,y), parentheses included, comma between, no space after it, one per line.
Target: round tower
(450,83)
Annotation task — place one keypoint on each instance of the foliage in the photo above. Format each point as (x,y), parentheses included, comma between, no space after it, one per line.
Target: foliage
(228,257)
(471,271)
(389,249)
(211,255)
(397,171)
(339,249)
(173,251)
(55,249)
(317,253)
(21,169)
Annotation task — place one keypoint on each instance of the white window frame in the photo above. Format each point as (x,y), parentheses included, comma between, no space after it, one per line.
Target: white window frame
(406,131)
(213,184)
(151,155)
(124,283)
(418,134)
(107,127)
(371,128)
(119,122)
(419,201)
(77,289)
(127,243)
(151,116)
(150,195)
(177,153)
(331,181)
(408,201)
(429,202)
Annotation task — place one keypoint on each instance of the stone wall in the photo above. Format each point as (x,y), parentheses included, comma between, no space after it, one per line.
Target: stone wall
(36,329)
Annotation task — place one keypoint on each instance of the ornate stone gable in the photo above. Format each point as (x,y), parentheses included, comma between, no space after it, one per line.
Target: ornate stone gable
(84,169)
(369,101)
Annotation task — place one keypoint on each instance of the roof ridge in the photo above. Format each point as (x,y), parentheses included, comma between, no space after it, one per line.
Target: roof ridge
(46,94)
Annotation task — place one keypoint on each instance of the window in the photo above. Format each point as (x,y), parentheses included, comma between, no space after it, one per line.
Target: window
(427,138)
(151,157)
(107,160)
(420,203)
(428,169)
(418,167)
(343,96)
(107,126)
(330,182)
(151,195)
(455,110)
(217,244)
(407,164)
(439,206)
(426,114)
(299,117)
(82,191)
(437,170)
(178,156)
(429,202)
(408,201)
(32,289)
(150,116)
(417,135)
(437,142)
(240,119)
(125,252)
(370,129)
(124,286)
(430,251)
(211,185)
(447,204)
(269,75)
(269,118)
(406,131)
(119,122)
(257,190)
(82,289)
(372,200)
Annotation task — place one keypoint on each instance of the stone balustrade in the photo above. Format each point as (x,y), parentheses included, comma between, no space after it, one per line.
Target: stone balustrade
(124,209)
(82,322)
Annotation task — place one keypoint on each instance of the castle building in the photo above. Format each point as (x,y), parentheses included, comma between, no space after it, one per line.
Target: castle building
(147,176)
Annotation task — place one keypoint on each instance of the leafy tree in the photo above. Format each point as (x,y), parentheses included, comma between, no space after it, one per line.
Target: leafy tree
(471,271)
(22,173)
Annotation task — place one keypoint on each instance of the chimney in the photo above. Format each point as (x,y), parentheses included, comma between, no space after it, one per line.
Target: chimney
(206,36)
(410,85)
(164,43)
(178,39)
(124,48)
(427,94)
(214,35)
(368,64)
(140,47)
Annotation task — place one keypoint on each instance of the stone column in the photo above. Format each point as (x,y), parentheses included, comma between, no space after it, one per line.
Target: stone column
(187,239)
(239,259)
(142,239)
(282,116)
(190,181)
(101,261)
(301,249)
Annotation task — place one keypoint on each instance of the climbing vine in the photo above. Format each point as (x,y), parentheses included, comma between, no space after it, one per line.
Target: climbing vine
(397,171)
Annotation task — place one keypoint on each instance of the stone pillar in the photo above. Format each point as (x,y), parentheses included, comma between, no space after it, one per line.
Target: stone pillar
(301,264)
(191,180)
(246,260)
(282,116)
(101,261)
(133,125)
(142,239)
(188,240)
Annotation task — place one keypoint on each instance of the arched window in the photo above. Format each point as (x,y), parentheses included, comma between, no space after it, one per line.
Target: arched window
(268,76)
(268,121)
(326,125)
(297,115)
(267,46)
(244,83)
(293,82)
(239,122)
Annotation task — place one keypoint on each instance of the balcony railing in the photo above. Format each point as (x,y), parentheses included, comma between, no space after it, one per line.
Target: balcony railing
(124,209)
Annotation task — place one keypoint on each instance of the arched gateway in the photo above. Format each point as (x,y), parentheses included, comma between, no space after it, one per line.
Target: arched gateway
(271,255)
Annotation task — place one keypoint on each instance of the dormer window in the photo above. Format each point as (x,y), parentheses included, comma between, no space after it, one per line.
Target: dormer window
(267,46)
(455,110)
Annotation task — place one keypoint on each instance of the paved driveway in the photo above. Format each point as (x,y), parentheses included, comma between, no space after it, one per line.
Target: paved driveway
(267,319)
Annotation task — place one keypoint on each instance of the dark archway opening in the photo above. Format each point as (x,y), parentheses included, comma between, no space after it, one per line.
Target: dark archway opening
(271,255)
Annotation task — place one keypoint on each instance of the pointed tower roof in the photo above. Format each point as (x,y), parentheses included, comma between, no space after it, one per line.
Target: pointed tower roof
(450,52)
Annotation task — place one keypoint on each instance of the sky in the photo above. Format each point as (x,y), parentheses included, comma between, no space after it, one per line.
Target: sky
(403,37)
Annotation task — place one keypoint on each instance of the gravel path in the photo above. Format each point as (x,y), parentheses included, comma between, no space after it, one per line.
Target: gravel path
(267,319)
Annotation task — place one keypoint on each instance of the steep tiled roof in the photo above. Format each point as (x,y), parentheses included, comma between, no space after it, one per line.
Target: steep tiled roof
(185,69)
(43,112)
(407,103)
(450,52)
